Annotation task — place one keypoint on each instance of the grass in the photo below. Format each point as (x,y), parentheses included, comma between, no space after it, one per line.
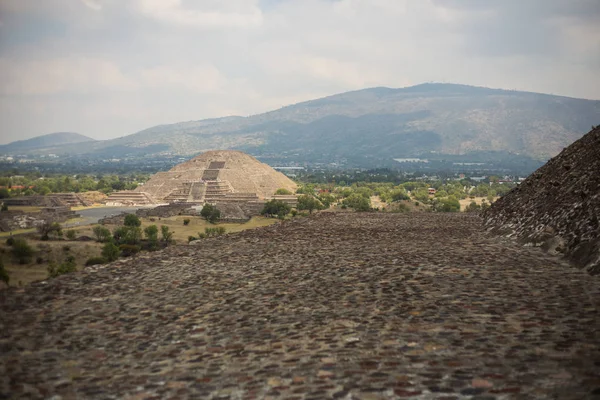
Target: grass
(49,251)
(53,250)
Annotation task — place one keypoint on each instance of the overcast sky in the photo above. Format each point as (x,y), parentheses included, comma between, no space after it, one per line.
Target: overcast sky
(108,68)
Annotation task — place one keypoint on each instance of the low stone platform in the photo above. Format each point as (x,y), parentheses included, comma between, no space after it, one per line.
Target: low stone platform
(348,306)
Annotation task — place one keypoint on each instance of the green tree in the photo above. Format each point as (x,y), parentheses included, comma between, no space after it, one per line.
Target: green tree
(282,191)
(4,193)
(276,208)
(357,202)
(151,233)
(210,213)
(167,235)
(308,202)
(22,251)
(102,233)
(110,251)
(132,220)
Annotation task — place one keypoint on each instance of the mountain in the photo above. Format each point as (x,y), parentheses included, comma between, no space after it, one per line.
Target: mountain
(379,123)
(45,142)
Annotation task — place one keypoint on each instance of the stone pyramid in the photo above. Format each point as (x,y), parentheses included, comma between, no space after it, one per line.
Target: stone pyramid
(215,176)
(558,206)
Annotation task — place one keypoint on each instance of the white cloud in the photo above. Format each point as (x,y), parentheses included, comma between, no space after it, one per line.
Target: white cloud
(94,5)
(234,14)
(132,64)
(61,75)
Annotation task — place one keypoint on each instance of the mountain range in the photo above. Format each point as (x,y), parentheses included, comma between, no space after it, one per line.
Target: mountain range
(379,123)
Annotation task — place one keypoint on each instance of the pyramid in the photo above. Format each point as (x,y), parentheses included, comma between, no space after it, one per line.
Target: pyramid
(558,206)
(221,175)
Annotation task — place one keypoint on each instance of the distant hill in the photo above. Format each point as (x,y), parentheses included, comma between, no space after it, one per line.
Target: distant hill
(48,141)
(379,123)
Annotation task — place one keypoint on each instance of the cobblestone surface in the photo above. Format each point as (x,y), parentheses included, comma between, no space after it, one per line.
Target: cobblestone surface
(348,306)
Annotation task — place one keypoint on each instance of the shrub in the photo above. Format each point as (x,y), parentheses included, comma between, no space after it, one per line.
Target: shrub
(276,208)
(294,213)
(210,213)
(10,241)
(192,238)
(22,251)
(95,261)
(151,233)
(128,235)
(357,202)
(400,208)
(209,232)
(39,260)
(186,221)
(132,220)
(282,191)
(64,268)
(3,273)
(66,248)
(473,207)
(449,204)
(102,233)
(167,236)
(4,207)
(110,251)
(129,249)
(71,234)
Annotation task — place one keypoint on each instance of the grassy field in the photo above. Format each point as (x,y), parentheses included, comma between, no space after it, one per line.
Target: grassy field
(57,251)
(465,202)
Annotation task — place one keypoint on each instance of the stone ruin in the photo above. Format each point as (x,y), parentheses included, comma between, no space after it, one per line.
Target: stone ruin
(50,200)
(14,219)
(558,206)
(235,182)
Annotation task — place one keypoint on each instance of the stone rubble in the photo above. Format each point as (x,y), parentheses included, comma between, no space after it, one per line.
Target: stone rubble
(558,206)
(343,306)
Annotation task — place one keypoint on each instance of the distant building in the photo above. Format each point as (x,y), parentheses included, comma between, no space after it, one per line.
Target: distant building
(431,191)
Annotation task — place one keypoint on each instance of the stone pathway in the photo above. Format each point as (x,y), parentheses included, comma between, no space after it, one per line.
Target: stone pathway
(348,306)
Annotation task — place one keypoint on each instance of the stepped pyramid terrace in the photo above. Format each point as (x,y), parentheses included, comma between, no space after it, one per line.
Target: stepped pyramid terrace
(220,176)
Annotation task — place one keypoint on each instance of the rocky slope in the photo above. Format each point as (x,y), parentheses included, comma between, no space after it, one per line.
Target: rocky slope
(346,306)
(558,206)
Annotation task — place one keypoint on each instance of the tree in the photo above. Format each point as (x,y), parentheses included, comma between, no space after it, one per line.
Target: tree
(128,235)
(308,202)
(110,251)
(4,193)
(357,202)
(132,220)
(151,233)
(277,208)
(282,191)
(22,251)
(167,236)
(47,228)
(210,213)
(4,207)
(102,233)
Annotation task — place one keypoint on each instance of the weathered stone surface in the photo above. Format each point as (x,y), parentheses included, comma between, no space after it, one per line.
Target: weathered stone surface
(558,206)
(345,305)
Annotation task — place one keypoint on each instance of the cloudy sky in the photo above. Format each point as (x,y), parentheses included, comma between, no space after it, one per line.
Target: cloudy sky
(108,68)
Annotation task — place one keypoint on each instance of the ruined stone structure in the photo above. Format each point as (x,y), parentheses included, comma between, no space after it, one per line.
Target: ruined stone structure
(558,206)
(13,220)
(129,198)
(231,180)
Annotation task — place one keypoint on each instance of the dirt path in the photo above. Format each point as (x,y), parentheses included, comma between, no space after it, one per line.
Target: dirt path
(351,306)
